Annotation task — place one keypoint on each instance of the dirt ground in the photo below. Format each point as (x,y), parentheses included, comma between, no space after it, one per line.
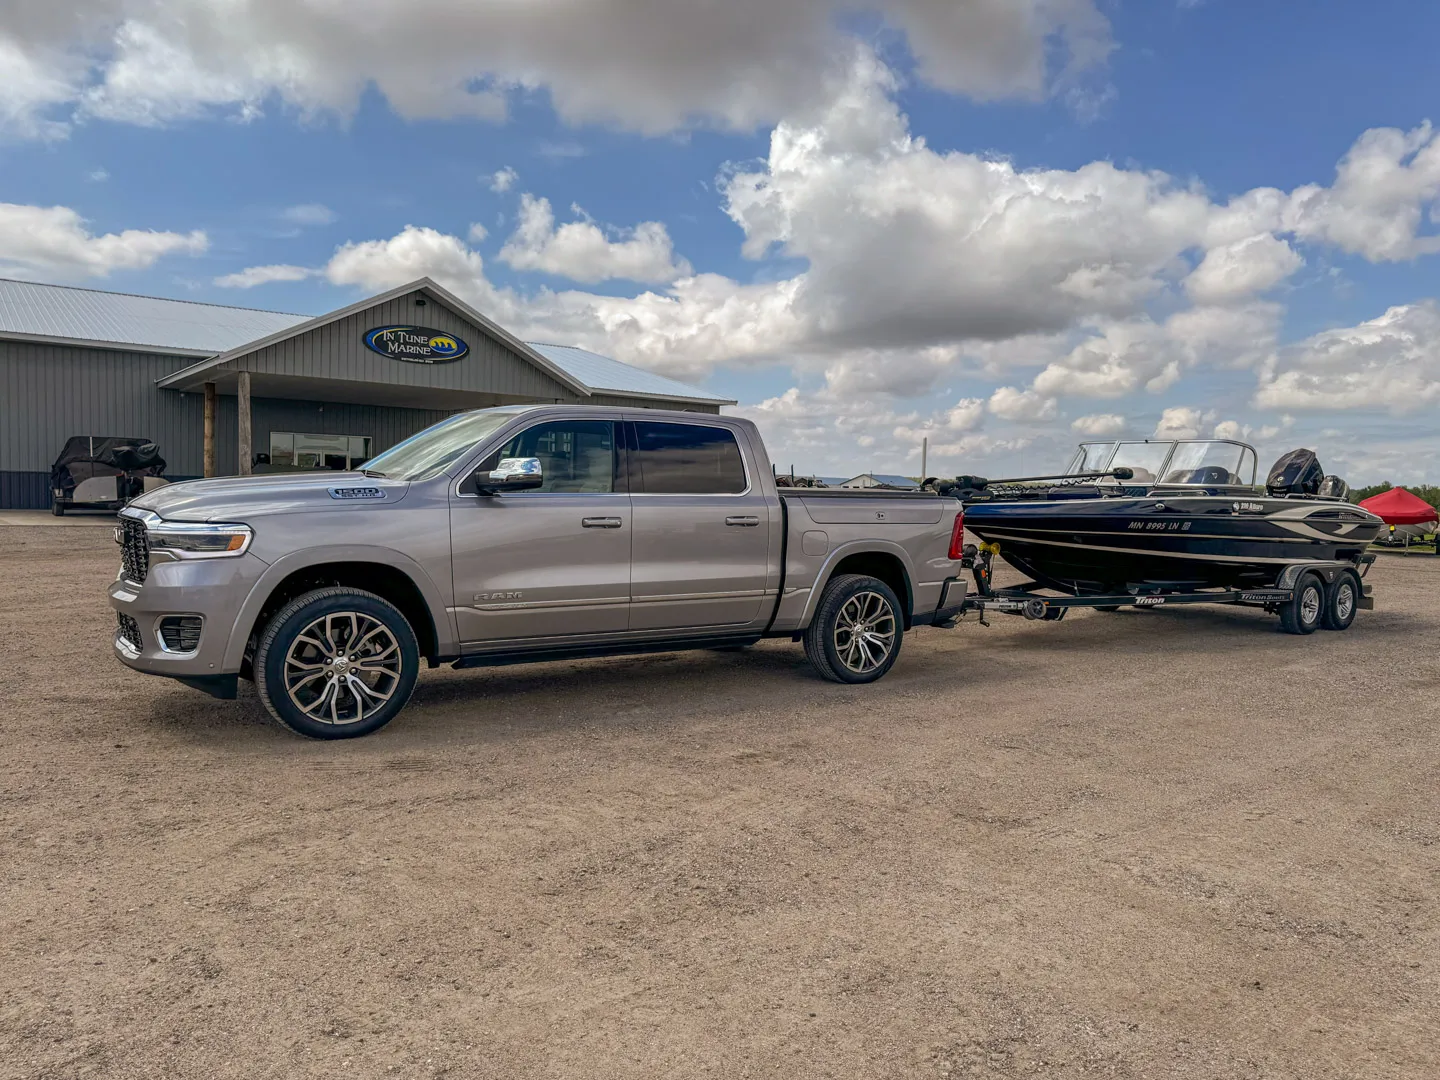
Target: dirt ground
(1169,843)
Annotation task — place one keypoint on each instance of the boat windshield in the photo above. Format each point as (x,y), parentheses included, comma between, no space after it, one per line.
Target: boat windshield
(1188,461)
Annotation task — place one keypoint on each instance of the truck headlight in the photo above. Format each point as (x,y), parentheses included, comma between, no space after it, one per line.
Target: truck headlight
(199,540)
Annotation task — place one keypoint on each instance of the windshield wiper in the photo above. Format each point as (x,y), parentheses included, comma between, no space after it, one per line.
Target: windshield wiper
(376,473)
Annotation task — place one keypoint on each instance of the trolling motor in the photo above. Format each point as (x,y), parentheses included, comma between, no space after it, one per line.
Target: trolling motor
(965,487)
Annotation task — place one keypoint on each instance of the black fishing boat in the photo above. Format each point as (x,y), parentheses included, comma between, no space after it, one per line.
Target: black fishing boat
(1168,516)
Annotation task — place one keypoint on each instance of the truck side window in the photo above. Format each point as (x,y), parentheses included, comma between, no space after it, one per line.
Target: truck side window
(687,459)
(576,456)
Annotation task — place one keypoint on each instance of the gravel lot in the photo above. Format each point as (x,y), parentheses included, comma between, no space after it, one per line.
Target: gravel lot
(1151,844)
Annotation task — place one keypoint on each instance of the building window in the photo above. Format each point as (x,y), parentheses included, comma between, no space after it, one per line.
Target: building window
(298,450)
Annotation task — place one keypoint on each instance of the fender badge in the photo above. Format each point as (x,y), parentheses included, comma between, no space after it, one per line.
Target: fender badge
(356,493)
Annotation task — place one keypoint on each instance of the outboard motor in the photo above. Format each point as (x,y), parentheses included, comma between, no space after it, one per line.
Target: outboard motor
(1332,487)
(1296,473)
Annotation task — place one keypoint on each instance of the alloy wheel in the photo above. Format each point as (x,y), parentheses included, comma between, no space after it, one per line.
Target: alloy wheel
(342,668)
(864,632)
(1310,604)
(1345,600)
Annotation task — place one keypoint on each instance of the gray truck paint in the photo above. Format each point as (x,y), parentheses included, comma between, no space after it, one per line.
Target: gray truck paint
(507,575)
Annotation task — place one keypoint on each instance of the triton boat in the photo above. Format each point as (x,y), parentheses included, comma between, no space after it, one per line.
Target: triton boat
(1154,516)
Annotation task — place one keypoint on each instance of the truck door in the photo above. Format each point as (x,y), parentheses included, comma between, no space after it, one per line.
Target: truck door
(553,562)
(700,554)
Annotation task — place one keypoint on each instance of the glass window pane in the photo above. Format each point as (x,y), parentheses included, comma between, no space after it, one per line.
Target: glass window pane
(1091,457)
(576,456)
(688,459)
(1204,463)
(1146,459)
(440,445)
(282,448)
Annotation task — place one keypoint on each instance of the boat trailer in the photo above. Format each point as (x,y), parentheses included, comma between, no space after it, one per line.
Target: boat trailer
(1302,609)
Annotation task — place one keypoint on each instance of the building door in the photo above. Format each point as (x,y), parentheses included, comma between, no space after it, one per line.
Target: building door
(702,530)
(550,563)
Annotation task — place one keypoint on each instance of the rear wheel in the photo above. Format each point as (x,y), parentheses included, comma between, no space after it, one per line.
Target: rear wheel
(336,663)
(1302,613)
(857,629)
(1342,600)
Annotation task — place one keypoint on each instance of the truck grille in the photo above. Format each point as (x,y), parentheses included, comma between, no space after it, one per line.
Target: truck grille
(181,633)
(134,549)
(129,629)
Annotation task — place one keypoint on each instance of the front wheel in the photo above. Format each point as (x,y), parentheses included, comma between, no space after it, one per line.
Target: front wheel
(1342,600)
(857,629)
(336,663)
(1302,613)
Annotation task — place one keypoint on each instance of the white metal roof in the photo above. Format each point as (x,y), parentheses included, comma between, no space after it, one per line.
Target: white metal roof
(65,313)
(29,309)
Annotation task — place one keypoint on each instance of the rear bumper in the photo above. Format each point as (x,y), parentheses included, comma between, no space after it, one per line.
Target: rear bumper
(952,602)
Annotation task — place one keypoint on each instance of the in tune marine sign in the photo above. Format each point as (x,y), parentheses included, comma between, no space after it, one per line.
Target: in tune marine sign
(415,344)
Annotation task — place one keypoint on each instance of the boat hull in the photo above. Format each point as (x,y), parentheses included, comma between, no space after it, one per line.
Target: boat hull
(1107,544)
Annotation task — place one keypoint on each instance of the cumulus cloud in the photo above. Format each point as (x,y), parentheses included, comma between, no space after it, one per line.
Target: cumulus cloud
(1181,422)
(1391,362)
(1099,425)
(252,276)
(53,242)
(1023,406)
(641,66)
(503,180)
(581,250)
(1234,271)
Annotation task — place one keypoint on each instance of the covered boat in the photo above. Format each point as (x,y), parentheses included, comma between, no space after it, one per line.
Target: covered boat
(1168,515)
(1406,515)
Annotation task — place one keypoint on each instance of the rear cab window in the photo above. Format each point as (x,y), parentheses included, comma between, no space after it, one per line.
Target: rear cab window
(685,459)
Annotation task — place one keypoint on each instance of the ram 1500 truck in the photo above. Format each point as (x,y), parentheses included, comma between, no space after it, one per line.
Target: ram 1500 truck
(518,534)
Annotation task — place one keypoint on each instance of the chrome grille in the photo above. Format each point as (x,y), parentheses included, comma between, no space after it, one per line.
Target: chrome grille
(129,629)
(134,549)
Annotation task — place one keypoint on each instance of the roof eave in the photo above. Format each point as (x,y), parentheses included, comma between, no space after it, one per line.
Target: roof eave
(113,346)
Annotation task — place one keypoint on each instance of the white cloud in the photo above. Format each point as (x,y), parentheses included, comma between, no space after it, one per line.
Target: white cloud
(252,276)
(640,66)
(308,214)
(1099,425)
(1375,206)
(1391,362)
(1023,406)
(53,242)
(503,180)
(581,251)
(477,232)
(1181,422)
(419,252)
(1234,271)
(98,176)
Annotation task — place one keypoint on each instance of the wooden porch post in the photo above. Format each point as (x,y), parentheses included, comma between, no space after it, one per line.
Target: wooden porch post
(243,402)
(209,429)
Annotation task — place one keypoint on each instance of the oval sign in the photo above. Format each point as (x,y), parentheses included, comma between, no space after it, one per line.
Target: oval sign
(415,344)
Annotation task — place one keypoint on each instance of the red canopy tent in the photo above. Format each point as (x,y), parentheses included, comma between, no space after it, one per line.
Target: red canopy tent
(1398,507)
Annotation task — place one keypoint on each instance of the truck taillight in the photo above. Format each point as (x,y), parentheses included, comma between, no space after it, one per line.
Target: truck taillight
(957,536)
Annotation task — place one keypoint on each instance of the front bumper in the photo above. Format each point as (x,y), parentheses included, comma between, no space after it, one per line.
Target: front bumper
(214,589)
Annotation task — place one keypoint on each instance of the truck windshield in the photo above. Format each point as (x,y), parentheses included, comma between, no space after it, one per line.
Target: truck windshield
(437,447)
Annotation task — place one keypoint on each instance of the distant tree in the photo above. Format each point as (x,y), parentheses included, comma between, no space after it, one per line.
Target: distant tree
(1429,492)
(1361,494)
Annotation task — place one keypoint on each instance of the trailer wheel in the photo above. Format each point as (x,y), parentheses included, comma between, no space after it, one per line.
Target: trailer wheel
(1303,612)
(857,629)
(1108,608)
(336,663)
(1342,600)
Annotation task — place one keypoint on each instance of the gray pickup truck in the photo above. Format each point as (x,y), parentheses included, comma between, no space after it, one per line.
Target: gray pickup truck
(519,534)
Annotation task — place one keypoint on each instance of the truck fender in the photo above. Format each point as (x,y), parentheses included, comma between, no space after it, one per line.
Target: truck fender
(856,547)
(286,565)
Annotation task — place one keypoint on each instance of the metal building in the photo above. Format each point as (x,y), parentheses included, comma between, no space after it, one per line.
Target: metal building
(221,389)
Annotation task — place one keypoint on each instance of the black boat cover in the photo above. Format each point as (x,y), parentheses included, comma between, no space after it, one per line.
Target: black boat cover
(1296,473)
(87,456)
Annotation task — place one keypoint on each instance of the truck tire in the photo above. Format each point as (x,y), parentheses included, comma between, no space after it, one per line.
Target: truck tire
(1302,614)
(336,663)
(1342,600)
(856,633)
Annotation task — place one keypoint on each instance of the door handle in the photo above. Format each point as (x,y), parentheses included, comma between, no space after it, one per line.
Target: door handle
(746,521)
(600,523)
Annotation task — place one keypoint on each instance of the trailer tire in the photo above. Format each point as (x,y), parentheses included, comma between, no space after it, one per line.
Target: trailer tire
(332,622)
(1108,608)
(851,601)
(1303,612)
(1342,601)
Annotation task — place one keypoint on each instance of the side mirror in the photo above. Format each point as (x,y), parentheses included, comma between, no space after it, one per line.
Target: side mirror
(512,474)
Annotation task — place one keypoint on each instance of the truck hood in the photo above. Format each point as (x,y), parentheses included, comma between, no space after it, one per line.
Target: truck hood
(240,498)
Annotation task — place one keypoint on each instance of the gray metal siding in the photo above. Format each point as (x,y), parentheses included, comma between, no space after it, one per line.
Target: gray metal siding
(337,351)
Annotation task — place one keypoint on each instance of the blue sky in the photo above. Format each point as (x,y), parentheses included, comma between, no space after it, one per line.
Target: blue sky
(986,288)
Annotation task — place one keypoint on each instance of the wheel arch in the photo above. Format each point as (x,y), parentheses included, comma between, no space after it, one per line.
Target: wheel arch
(887,562)
(380,571)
